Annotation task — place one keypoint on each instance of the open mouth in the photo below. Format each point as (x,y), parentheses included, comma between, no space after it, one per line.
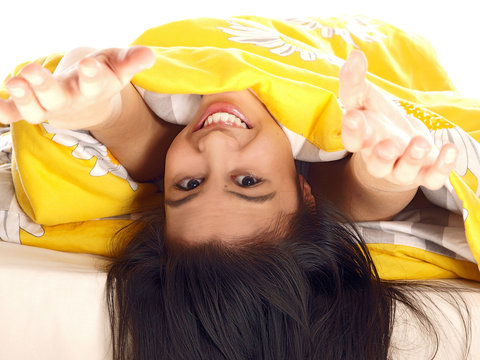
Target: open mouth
(223,114)
(225,119)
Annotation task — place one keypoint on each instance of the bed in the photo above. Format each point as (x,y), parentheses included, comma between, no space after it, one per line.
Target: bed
(51,304)
(52,307)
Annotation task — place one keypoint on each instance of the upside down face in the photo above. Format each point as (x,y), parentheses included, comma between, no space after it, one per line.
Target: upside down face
(230,173)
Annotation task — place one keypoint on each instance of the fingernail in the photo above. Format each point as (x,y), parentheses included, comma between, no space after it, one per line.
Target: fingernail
(417,152)
(35,79)
(450,156)
(90,70)
(122,55)
(352,122)
(387,154)
(16,92)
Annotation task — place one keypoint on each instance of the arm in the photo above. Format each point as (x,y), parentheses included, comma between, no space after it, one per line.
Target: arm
(353,193)
(137,138)
(91,90)
(392,153)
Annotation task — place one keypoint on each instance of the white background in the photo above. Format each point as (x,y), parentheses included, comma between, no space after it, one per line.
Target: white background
(33,29)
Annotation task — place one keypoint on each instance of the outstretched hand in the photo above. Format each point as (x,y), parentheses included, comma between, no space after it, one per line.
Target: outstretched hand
(393,149)
(82,95)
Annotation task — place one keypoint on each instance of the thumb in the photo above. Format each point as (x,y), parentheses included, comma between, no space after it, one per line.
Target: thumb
(353,90)
(134,60)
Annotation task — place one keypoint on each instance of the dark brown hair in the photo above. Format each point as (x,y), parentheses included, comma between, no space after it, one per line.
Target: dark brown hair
(311,294)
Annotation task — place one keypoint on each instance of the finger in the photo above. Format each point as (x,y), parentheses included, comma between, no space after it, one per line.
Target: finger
(434,178)
(382,158)
(112,68)
(45,87)
(93,77)
(8,112)
(354,88)
(125,63)
(415,156)
(25,100)
(133,60)
(353,130)
(355,92)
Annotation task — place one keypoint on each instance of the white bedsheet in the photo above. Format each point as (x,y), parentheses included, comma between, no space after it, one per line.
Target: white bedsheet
(52,307)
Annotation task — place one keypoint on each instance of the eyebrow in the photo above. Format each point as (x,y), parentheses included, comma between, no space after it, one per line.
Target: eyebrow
(177,203)
(255,199)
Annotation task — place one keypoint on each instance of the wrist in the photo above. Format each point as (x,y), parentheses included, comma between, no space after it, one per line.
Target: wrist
(374,198)
(111,117)
(359,170)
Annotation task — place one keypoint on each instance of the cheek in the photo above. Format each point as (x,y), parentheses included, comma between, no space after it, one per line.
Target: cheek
(277,147)
(278,158)
(179,153)
(172,155)
(276,136)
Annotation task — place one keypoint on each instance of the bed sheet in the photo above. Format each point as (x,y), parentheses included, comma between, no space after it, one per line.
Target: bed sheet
(52,307)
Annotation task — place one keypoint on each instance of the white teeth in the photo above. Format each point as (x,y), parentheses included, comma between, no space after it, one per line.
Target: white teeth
(226,118)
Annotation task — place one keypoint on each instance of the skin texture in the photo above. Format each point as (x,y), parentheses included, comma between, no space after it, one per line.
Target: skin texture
(91,90)
(392,153)
(86,84)
(394,147)
(219,157)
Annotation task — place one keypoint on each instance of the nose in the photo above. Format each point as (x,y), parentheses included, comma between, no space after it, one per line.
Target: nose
(218,142)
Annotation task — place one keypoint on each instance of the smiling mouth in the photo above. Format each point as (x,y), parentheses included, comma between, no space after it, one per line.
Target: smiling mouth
(223,114)
(224,119)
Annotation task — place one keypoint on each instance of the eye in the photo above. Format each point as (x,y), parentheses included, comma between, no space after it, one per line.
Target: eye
(247,180)
(188,184)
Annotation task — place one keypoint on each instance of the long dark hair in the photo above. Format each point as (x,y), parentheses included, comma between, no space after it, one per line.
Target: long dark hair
(313,293)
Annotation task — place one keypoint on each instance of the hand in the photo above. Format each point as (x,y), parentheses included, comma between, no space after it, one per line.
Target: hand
(82,95)
(392,150)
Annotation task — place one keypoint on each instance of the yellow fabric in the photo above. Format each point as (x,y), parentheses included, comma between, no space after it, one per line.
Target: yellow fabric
(292,65)
(69,192)
(394,262)
(58,191)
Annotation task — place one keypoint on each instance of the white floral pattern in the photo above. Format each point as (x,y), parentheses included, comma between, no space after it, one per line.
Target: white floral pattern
(249,32)
(468,161)
(87,147)
(12,217)
(468,151)
(443,133)
(359,27)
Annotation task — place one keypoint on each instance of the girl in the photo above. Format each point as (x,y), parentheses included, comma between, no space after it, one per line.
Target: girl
(244,262)
(392,164)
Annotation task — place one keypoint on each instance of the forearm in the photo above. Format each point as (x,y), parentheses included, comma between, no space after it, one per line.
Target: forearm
(397,148)
(348,185)
(369,198)
(119,119)
(137,138)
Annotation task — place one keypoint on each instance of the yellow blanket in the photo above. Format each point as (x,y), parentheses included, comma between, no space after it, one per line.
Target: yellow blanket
(292,65)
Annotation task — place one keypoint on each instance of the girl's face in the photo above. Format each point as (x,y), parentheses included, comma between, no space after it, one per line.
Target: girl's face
(228,176)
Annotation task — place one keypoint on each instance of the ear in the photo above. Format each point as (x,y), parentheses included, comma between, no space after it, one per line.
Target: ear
(308,197)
